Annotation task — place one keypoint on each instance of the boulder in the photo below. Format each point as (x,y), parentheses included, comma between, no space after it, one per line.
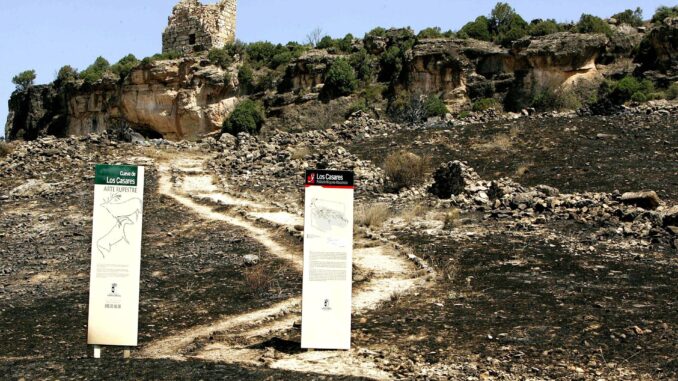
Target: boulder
(645,200)
(671,217)
(251,259)
(448,180)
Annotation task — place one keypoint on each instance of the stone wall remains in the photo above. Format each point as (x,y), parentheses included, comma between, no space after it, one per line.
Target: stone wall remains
(195,27)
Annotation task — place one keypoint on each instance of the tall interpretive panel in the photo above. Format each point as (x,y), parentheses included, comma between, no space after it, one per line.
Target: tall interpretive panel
(116,256)
(328,251)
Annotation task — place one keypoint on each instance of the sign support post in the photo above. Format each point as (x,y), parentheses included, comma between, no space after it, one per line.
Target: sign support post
(328,252)
(116,257)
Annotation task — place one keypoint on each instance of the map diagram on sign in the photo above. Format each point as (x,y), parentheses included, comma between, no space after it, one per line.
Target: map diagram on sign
(126,213)
(326,215)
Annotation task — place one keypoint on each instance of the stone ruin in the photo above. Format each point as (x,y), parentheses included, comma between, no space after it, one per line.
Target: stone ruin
(194,27)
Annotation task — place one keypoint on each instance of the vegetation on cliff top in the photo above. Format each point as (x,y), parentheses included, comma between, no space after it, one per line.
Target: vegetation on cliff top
(24,79)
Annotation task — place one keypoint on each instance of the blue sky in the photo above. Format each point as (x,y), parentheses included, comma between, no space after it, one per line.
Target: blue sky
(47,34)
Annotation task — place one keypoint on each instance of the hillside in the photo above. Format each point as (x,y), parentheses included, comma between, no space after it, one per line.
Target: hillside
(515,216)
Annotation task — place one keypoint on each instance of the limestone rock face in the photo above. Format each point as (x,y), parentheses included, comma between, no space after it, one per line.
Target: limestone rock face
(658,51)
(445,67)
(308,71)
(178,99)
(559,60)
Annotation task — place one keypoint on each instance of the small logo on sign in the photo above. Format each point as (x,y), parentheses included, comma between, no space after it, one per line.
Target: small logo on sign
(311,178)
(114,290)
(326,305)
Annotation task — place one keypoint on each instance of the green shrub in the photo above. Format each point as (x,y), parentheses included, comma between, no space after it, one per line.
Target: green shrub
(220,57)
(478,29)
(464,114)
(246,79)
(346,44)
(485,104)
(506,24)
(672,91)
(262,54)
(432,32)
(95,71)
(630,17)
(170,55)
(592,24)
(358,105)
(267,81)
(24,79)
(377,32)
(405,169)
(235,48)
(629,86)
(363,64)
(248,116)
(543,27)
(639,97)
(281,59)
(340,79)
(67,73)
(123,67)
(326,43)
(663,12)
(434,106)
(549,99)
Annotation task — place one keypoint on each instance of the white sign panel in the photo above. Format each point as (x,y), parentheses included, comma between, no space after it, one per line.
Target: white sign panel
(116,255)
(328,250)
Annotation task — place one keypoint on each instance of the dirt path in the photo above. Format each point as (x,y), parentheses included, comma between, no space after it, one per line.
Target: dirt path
(391,272)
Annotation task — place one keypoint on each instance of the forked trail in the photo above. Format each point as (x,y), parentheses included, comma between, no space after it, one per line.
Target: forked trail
(186,181)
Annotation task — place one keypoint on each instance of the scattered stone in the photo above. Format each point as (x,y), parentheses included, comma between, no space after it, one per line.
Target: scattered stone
(645,200)
(251,259)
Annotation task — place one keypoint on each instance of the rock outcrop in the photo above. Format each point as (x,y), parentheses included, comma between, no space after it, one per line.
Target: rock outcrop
(445,67)
(177,99)
(658,52)
(559,60)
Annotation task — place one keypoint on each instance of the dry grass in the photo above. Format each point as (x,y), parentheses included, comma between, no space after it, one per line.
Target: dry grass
(414,212)
(299,153)
(452,219)
(5,149)
(373,215)
(396,297)
(500,142)
(523,169)
(405,169)
(257,279)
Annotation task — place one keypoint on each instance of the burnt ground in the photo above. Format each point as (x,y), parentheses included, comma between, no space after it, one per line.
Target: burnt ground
(517,303)
(625,152)
(192,273)
(508,303)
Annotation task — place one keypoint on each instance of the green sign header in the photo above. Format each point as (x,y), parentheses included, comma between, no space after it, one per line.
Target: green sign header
(120,175)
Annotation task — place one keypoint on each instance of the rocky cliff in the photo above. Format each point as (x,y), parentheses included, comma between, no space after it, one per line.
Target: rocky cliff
(190,97)
(176,99)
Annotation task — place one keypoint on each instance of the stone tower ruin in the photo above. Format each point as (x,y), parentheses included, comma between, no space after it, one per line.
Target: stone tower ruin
(194,27)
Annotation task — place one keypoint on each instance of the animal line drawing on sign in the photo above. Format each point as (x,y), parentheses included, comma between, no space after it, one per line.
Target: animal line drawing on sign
(125,213)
